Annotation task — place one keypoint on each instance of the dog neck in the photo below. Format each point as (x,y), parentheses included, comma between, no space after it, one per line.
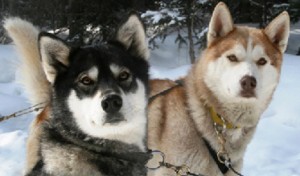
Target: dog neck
(200,99)
(219,120)
(58,131)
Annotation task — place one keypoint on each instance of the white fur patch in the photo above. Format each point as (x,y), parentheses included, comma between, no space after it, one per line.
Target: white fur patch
(115,69)
(93,73)
(90,117)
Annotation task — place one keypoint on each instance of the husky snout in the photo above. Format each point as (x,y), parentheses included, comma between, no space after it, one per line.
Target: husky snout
(111,103)
(248,84)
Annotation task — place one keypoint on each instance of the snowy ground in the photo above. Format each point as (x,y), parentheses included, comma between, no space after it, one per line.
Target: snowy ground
(273,151)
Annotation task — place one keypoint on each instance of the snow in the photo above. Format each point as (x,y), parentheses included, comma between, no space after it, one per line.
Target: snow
(274,149)
(156,16)
(7,58)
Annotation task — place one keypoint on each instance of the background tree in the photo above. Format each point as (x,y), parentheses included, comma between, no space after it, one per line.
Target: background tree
(78,20)
(189,18)
(95,21)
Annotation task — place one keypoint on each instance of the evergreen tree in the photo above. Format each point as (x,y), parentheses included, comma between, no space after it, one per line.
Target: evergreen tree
(187,17)
(88,22)
(294,11)
(94,21)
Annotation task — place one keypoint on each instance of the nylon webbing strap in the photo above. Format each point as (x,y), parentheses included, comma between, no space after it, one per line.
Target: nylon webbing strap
(164,92)
(223,168)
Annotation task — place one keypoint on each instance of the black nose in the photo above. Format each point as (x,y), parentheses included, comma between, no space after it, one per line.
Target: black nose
(248,83)
(112,103)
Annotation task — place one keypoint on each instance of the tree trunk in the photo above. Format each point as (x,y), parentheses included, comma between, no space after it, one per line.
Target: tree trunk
(190,26)
(264,13)
(2,6)
(74,20)
(11,4)
(138,5)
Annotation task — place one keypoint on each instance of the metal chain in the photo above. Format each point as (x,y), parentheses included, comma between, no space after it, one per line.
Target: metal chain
(182,170)
(222,153)
(28,110)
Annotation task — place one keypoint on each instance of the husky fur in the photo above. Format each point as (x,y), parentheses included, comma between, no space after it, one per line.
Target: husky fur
(95,121)
(236,75)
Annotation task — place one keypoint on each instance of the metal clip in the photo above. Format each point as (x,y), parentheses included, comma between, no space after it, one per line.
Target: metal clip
(160,162)
(223,157)
(182,170)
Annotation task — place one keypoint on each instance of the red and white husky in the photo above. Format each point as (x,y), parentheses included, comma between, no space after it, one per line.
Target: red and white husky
(235,78)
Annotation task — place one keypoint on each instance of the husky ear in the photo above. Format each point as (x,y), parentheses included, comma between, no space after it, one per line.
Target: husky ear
(220,24)
(278,31)
(54,54)
(132,35)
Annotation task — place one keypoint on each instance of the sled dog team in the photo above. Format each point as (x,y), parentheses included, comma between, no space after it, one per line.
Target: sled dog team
(98,119)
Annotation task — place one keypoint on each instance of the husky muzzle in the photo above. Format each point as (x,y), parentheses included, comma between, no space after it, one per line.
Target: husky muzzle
(111,104)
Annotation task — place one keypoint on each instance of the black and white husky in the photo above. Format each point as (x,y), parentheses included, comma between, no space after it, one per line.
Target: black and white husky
(95,120)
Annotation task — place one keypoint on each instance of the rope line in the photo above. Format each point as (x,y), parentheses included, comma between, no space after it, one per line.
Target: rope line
(28,110)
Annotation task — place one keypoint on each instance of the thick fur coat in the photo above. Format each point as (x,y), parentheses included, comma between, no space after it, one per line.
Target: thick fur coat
(236,76)
(94,121)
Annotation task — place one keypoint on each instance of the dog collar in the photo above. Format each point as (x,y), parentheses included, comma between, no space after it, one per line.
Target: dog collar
(218,120)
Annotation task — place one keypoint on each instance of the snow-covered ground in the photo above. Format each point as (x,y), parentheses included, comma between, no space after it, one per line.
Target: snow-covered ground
(273,151)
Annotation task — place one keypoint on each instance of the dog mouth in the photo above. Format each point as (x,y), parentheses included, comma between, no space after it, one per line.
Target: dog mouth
(248,94)
(114,118)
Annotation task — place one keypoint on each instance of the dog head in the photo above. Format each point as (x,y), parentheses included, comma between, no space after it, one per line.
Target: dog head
(101,90)
(242,64)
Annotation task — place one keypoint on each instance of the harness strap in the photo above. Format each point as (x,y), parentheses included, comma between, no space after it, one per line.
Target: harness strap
(223,168)
(166,91)
(134,157)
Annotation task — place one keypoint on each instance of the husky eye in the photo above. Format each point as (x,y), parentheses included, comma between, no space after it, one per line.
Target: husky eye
(232,58)
(261,61)
(123,76)
(85,80)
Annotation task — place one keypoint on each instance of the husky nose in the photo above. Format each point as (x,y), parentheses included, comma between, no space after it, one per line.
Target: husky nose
(248,83)
(112,103)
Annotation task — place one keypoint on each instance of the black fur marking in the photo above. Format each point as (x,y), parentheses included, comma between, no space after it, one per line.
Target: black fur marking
(110,157)
(38,170)
(83,59)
